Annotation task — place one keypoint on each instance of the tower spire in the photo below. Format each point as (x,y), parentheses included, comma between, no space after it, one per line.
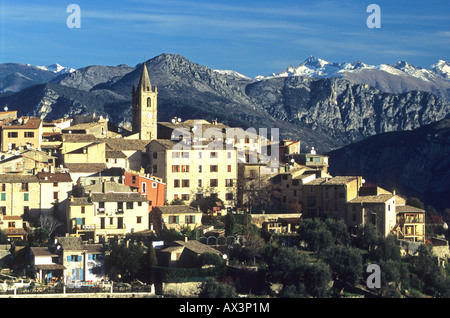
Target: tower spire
(144,81)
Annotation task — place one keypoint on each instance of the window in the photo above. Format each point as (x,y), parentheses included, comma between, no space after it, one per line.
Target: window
(74,258)
(29,134)
(3,196)
(213,155)
(173,219)
(26,196)
(2,210)
(101,205)
(55,195)
(199,155)
(176,183)
(185,154)
(119,206)
(139,219)
(24,186)
(185,183)
(155,155)
(213,183)
(154,185)
(229,154)
(189,219)
(185,168)
(130,205)
(214,168)
(144,187)
(185,197)
(200,168)
(229,168)
(175,168)
(3,187)
(229,182)
(55,184)
(120,223)
(13,134)
(229,196)
(155,168)
(175,155)
(83,209)
(199,183)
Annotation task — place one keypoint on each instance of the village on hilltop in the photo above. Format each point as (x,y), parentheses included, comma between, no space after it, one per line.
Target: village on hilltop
(89,182)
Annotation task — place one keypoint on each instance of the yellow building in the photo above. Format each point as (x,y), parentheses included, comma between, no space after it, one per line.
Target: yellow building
(100,216)
(378,210)
(20,196)
(13,226)
(21,132)
(194,171)
(410,223)
(174,217)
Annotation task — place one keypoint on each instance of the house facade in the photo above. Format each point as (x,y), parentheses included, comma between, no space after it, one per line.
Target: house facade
(174,217)
(195,171)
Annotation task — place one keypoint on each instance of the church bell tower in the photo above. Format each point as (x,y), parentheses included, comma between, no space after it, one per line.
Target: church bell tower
(144,108)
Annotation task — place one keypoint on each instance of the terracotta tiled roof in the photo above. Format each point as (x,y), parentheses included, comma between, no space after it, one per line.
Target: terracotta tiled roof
(408,208)
(122,144)
(54,177)
(16,178)
(71,243)
(85,167)
(170,209)
(381,198)
(118,197)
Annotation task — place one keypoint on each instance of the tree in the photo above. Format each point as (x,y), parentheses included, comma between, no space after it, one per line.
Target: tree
(338,230)
(213,289)
(49,223)
(345,264)
(125,260)
(316,235)
(317,279)
(286,266)
(3,237)
(177,201)
(207,203)
(415,202)
(366,237)
(253,247)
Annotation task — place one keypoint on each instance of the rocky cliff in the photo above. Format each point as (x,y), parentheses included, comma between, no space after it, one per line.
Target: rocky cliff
(414,162)
(325,113)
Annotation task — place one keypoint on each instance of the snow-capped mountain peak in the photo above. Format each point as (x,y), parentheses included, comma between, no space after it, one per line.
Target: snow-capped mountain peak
(442,68)
(56,68)
(232,73)
(318,68)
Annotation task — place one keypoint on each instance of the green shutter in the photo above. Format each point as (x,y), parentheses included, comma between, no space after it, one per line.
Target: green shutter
(26,196)
(3,196)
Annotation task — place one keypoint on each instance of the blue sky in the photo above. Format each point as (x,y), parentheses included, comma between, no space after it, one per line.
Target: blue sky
(253,37)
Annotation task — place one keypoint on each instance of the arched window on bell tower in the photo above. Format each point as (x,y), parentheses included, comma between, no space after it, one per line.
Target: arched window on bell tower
(149,102)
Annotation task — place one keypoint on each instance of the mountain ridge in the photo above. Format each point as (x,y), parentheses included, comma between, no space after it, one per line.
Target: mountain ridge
(325,113)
